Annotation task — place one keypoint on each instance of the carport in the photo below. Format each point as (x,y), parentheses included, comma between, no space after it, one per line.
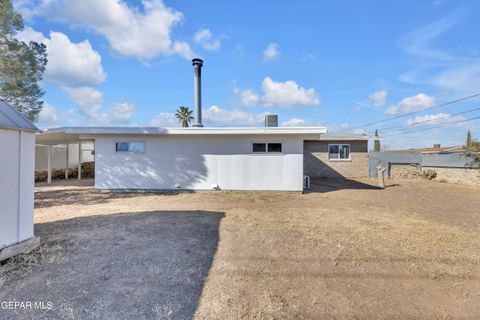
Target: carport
(54,138)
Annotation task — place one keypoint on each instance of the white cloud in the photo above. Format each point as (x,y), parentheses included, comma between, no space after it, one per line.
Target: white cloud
(89,102)
(49,114)
(378,98)
(249,97)
(183,49)
(271,52)
(120,112)
(295,122)
(432,119)
(457,74)
(414,103)
(238,51)
(204,38)
(280,94)
(164,120)
(73,64)
(137,32)
(215,115)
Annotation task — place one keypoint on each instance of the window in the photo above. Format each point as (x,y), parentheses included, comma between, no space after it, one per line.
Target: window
(134,147)
(262,147)
(274,147)
(339,152)
(259,147)
(122,147)
(137,147)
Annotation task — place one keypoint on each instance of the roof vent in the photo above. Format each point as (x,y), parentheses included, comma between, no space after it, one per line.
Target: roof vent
(271,120)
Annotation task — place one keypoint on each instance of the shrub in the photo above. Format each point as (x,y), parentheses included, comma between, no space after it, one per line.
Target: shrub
(429,174)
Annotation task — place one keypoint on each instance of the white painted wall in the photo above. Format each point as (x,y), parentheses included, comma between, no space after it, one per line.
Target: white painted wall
(16,186)
(198,162)
(59,153)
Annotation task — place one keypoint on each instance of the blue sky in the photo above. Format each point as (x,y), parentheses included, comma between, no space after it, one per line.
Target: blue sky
(339,64)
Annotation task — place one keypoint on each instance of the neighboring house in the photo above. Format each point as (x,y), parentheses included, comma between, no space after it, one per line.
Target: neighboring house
(337,155)
(17,142)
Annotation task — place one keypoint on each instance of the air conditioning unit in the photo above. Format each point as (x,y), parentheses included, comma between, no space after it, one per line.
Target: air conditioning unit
(306,182)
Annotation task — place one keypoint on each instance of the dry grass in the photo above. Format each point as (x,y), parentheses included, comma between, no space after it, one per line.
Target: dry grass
(343,252)
(51,250)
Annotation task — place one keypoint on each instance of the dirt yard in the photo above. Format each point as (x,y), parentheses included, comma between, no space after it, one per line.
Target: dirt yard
(342,251)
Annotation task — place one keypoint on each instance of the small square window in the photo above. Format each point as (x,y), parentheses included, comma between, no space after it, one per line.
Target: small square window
(137,147)
(274,147)
(339,152)
(259,147)
(344,151)
(121,147)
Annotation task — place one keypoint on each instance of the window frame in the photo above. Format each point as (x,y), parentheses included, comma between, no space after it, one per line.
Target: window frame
(266,152)
(339,147)
(129,151)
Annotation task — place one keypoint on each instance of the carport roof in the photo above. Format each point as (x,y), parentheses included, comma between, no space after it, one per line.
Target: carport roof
(10,118)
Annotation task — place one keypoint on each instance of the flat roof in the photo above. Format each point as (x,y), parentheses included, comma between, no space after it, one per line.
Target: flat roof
(187,131)
(64,135)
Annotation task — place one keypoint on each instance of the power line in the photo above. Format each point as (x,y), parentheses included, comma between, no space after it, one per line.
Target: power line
(446,124)
(415,112)
(428,120)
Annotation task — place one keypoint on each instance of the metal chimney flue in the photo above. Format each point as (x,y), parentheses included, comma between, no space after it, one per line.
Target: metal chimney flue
(197,83)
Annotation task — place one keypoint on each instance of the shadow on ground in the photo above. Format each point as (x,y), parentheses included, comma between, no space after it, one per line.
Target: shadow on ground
(141,265)
(323,185)
(52,198)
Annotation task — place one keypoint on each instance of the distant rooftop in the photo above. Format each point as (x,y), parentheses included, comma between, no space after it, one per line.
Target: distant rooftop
(341,136)
(10,118)
(454,149)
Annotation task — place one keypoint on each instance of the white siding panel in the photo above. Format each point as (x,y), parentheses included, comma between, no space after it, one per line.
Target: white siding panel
(27,186)
(9,184)
(193,162)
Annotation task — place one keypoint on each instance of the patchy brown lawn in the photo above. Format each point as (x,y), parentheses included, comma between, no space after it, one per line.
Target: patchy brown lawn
(343,251)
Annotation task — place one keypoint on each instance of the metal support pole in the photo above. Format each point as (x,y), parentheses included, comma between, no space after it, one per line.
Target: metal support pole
(49,165)
(79,160)
(67,163)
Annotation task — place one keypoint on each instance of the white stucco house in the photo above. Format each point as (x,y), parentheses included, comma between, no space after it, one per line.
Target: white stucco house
(198,158)
(17,142)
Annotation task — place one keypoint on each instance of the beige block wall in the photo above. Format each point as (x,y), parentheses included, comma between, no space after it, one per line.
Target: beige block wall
(456,175)
(404,171)
(317,164)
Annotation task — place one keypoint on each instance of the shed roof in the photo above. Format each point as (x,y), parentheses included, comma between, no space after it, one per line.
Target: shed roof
(10,118)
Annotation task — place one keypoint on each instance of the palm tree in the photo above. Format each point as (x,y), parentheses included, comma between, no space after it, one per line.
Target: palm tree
(184,116)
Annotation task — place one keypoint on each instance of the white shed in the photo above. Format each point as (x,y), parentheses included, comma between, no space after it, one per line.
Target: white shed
(17,142)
